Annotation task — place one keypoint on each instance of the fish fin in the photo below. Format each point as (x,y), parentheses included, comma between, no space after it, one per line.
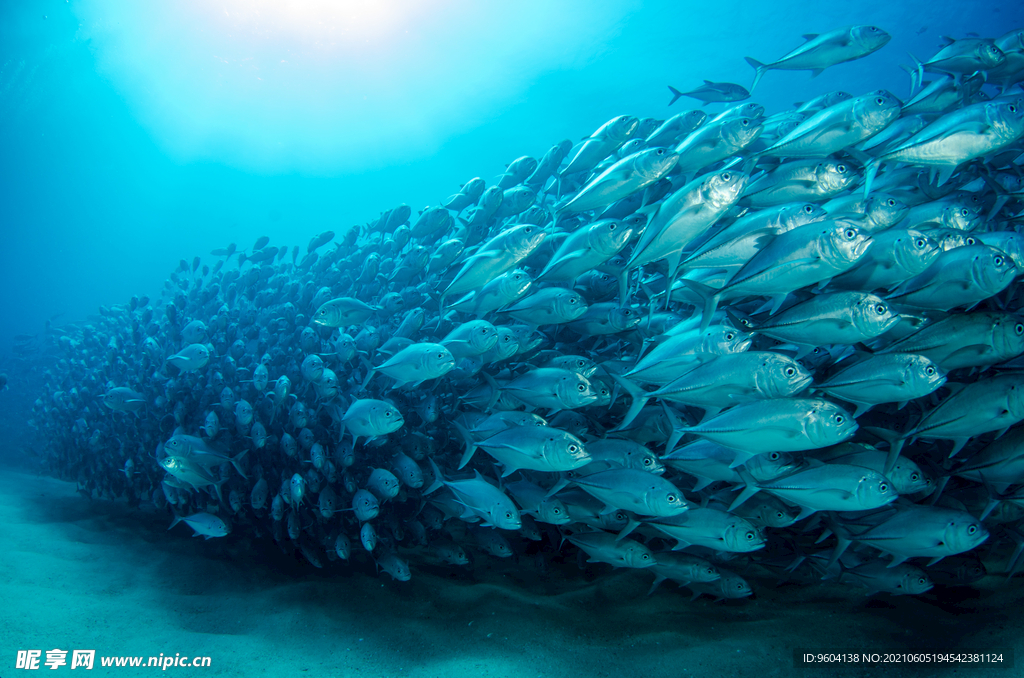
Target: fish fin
(675,94)
(177,519)
(809,36)
(816,72)
(657,582)
(897,560)
(557,487)
(958,444)
(759,70)
(701,483)
(631,525)
(680,545)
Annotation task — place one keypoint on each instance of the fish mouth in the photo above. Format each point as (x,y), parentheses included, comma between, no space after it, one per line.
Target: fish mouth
(803,383)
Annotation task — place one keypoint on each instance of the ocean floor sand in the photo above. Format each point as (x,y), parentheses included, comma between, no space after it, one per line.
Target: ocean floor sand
(77,573)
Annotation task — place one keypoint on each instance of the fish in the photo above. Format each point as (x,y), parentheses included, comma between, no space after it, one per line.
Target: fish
(712,92)
(823,50)
(755,335)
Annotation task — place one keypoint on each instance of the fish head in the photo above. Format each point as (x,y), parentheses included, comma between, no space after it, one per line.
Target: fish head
(908,478)
(962,532)
(638,555)
(833,176)
(828,424)
(922,373)
(992,269)
(1007,117)
(1008,334)
(655,162)
(609,236)
(741,132)
(885,210)
(874,490)
(870,38)
(620,129)
(872,315)
(514,284)
(989,54)
(742,537)
(723,188)
(959,216)
(794,216)
(878,109)
(724,340)
(524,239)
(770,465)
(780,376)
(575,390)
(505,517)
(569,305)
(552,511)
(914,582)
(482,335)
(844,244)
(915,251)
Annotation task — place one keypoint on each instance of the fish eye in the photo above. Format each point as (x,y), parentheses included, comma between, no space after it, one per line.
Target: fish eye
(879,101)
(929,371)
(612,227)
(556,510)
(483,330)
(774,456)
(972,241)
(647,462)
(922,581)
(890,202)
(972,529)
(508,514)
(744,122)
(840,419)
(672,498)
(780,515)
(387,413)
(880,309)
(750,536)
(661,151)
(919,243)
(726,176)
(790,371)
(1013,108)
(1019,327)
(998,260)
(840,168)
(572,300)
(730,336)
(645,556)
(581,388)
(573,448)
(850,233)
(883,487)
(963,212)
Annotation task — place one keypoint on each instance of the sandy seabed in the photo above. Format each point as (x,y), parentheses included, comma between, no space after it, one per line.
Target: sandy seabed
(77,573)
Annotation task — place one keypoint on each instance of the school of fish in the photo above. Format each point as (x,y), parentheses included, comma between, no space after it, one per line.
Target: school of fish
(732,349)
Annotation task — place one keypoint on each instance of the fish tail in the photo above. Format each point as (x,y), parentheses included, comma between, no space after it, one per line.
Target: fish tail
(177,519)
(639,397)
(916,73)
(895,441)
(438,478)
(870,172)
(470,445)
(675,94)
(759,70)
(711,297)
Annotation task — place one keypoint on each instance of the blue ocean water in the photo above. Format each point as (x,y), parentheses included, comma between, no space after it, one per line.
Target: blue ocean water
(136,135)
